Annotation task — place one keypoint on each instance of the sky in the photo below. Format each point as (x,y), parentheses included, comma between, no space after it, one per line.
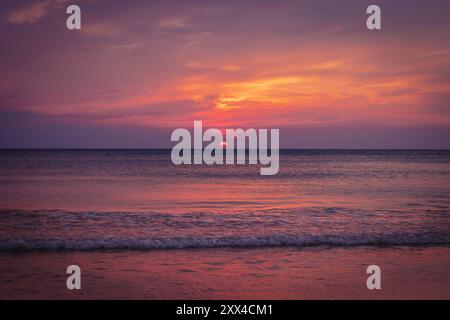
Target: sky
(139,69)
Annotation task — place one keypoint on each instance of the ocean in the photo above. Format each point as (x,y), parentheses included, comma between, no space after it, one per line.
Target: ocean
(142,227)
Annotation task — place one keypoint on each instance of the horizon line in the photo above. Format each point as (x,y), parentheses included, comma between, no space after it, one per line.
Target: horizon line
(285,149)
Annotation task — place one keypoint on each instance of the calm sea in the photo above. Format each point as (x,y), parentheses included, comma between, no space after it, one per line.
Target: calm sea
(137,199)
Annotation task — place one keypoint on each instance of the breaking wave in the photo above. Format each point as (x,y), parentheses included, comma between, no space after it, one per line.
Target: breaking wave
(219,242)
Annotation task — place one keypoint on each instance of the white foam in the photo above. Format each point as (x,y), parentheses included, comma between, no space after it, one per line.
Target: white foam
(210,242)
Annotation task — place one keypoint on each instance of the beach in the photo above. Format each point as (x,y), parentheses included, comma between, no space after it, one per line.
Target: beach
(140,227)
(270,273)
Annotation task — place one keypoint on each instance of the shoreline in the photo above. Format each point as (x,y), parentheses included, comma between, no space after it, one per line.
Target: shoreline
(255,247)
(230,273)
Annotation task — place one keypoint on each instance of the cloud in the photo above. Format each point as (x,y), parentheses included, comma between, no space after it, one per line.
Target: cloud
(172,23)
(33,13)
(101,29)
(159,64)
(123,47)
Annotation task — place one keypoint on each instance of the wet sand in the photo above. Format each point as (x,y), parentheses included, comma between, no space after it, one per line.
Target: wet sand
(221,273)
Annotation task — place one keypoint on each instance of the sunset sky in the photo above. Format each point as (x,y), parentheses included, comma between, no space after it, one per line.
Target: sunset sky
(138,69)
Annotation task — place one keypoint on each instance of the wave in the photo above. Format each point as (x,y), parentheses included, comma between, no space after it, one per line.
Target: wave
(219,242)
